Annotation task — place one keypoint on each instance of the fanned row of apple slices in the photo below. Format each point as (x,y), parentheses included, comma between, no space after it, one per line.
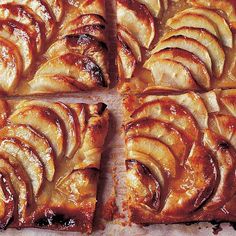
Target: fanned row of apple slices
(78,60)
(181,156)
(192,53)
(34,139)
(25,28)
(133,36)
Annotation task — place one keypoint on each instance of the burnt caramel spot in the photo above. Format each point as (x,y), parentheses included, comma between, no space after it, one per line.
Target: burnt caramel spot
(223,145)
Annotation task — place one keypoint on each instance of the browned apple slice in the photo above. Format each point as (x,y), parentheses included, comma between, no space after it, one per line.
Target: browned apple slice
(27,157)
(81,21)
(229,101)
(79,67)
(223,27)
(41,9)
(25,16)
(170,73)
(10,65)
(224,125)
(131,42)
(143,188)
(155,149)
(131,11)
(126,60)
(187,44)
(66,116)
(38,142)
(193,20)
(50,125)
(226,159)
(19,35)
(56,7)
(162,131)
(5,112)
(195,185)
(169,111)
(82,44)
(7,200)
(19,186)
(213,46)
(192,62)
(154,6)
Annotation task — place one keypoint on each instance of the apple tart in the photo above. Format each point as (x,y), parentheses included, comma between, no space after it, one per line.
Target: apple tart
(52,46)
(184,45)
(49,163)
(181,157)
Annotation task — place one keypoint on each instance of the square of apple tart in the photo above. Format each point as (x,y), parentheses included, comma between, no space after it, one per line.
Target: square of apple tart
(181,157)
(49,163)
(176,45)
(52,46)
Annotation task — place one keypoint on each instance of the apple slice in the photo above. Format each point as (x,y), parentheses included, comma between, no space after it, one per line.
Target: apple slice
(79,67)
(38,142)
(213,46)
(130,11)
(19,35)
(143,188)
(226,159)
(7,200)
(25,16)
(27,157)
(10,65)
(195,185)
(154,6)
(196,67)
(65,115)
(126,61)
(155,149)
(170,73)
(193,20)
(167,110)
(187,44)
(162,131)
(50,125)
(56,7)
(130,41)
(223,27)
(210,100)
(5,112)
(224,125)
(19,186)
(228,100)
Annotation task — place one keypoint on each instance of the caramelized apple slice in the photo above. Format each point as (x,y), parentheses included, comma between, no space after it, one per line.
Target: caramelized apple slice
(5,112)
(7,200)
(131,11)
(226,159)
(195,185)
(187,44)
(25,16)
(10,65)
(18,34)
(162,131)
(131,42)
(19,186)
(65,115)
(38,142)
(41,9)
(50,125)
(27,157)
(155,149)
(79,67)
(196,67)
(169,111)
(154,6)
(229,101)
(170,73)
(56,7)
(223,28)
(214,48)
(193,20)
(82,44)
(126,60)
(143,188)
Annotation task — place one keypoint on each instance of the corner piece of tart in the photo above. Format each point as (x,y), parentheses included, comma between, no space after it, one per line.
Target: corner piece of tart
(53,46)
(181,157)
(49,163)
